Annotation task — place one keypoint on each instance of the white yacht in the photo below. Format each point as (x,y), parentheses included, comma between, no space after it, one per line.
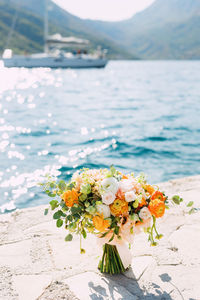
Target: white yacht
(54,57)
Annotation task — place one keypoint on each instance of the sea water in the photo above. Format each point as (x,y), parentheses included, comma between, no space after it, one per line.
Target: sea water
(136,115)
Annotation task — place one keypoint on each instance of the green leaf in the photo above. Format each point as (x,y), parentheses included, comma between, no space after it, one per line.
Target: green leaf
(62,185)
(83,197)
(69,238)
(46,211)
(52,185)
(75,210)
(50,194)
(176,199)
(59,223)
(110,240)
(58,214)
(86,189)
(135,203)
(72,226)
(116,230)
(104,234)
(134,217)
(191,211)
(190,204)
(112,170)
(84,234)
(91,210)
(69,218)
(54,204)
(77,216)
(71,186)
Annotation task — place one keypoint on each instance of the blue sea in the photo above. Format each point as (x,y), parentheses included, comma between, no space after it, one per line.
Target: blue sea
(137,115)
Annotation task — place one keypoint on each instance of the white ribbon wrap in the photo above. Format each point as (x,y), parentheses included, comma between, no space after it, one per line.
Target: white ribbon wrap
(125,254)
(126,238)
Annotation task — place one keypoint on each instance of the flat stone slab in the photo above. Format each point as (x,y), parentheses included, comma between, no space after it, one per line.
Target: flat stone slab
(37,264)
(92,286)
(30,287)
(139,265)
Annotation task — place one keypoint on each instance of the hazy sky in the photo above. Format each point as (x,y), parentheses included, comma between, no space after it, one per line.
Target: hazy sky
(109,10)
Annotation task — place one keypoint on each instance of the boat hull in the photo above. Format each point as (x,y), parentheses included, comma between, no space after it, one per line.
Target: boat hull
(54,62)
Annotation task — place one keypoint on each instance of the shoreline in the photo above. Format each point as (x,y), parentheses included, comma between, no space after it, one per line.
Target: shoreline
(36,262)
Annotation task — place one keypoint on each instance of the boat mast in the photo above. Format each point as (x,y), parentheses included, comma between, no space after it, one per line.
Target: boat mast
(46,48)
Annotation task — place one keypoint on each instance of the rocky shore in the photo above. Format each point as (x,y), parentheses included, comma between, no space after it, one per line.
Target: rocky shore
(36,262)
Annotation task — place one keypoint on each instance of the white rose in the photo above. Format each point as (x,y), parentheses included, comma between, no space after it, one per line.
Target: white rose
(78,179)
(130,196)
(103,209)
(108,198)
(144,213)
(109,184)
(126,185)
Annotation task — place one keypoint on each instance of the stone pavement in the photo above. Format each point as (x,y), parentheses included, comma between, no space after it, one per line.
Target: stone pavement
(37,264)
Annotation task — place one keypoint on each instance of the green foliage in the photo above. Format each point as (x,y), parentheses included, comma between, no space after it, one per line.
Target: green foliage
(54,204)
(59,214)
(192,211)
(69,237)
(62,185)
(177,199)
(112,171)
(59,223)
(70,186)
(86,189)
(84,234)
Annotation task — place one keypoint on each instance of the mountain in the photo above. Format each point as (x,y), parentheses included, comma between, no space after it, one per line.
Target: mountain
(168,29)
(28,31)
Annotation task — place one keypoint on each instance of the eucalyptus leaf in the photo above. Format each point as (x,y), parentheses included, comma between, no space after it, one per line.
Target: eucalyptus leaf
(69,237)
(58,214)
(190,204)
(176,199)
(110,240)
(52,185)
(192,210)
(59,223)
(54,204)
(50,194)
(62,185)
(84,234)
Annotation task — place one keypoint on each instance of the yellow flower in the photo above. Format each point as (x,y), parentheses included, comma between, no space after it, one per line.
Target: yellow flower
(99,223)
(119,207)
(70,197)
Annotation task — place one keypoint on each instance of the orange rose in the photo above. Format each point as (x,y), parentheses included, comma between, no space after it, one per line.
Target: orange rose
(158,195)
(100,223)
(70,197)
(124,177)
(149,189)
(157,208)
(119,207)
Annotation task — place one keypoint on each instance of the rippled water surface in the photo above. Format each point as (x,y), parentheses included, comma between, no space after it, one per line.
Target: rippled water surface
(139,116)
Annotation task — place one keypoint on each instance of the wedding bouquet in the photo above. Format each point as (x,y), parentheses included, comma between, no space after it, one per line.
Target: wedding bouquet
(111,205)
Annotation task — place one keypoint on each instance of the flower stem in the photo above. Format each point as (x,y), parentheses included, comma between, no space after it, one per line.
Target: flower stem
(111,262)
